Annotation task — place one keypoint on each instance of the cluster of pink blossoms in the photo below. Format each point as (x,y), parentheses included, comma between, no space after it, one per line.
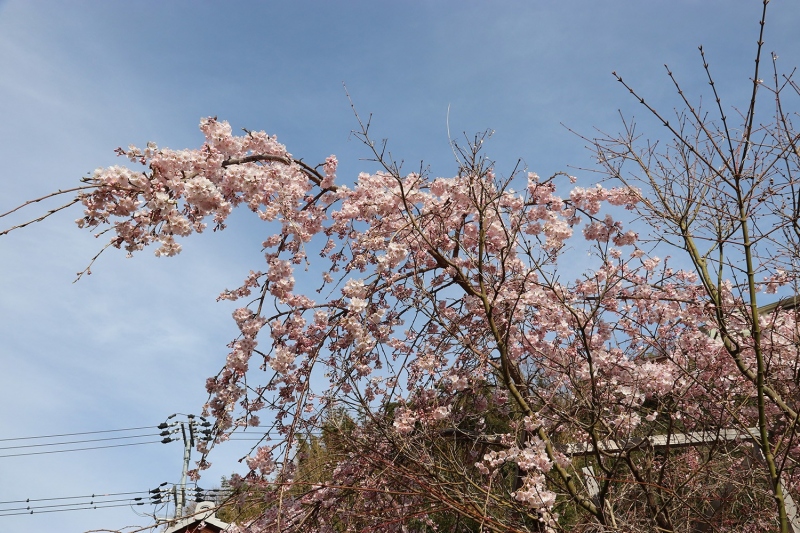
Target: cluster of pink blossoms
(433,291)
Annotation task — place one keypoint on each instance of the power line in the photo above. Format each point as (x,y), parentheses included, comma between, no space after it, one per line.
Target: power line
(81,449)
(232,438)
(74,497)
(78,441)
(95,501)
(75,509)
(81,433)
(100,501)
(92,502)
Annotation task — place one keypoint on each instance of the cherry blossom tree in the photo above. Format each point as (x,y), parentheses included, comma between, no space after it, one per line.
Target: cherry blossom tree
(725,195)
(461,374)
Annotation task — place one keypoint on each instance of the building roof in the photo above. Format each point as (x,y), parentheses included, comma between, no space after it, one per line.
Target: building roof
(202,520)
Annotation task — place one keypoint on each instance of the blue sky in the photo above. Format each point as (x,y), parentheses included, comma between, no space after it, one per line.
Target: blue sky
(134,342)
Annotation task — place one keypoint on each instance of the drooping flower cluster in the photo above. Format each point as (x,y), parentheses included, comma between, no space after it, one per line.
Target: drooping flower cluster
(448,318)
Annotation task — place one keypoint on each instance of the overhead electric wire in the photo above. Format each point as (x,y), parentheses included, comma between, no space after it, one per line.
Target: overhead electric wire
(95,501)
(29,508)
(100,501)
(75,497)
(75,509)
(78,441)
(82,449)
(153,497)
(80,433)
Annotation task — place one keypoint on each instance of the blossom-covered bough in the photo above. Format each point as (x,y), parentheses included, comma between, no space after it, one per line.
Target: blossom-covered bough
(444,350)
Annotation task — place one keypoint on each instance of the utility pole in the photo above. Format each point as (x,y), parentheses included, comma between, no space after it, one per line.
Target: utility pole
(189,431)
(188,444)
